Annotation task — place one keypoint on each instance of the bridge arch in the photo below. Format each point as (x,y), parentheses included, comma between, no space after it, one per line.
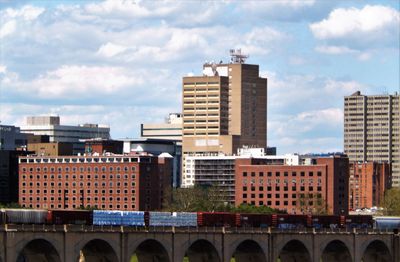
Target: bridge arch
(248,250)
(376,250)
(97,250)
(38,250)
(294,250)
(336,250)
(151,250)
(201,250)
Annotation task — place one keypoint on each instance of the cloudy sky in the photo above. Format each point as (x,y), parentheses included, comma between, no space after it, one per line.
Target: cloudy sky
(121,62)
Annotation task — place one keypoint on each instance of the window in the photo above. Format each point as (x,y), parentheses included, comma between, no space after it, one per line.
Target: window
(244,195)
(245,188)
(261,174)
(244,173)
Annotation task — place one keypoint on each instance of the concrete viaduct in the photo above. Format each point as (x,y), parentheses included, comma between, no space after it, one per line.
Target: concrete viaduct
(27,243)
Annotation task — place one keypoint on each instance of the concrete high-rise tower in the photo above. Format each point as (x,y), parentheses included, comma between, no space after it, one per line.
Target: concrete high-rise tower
(372,130)
(224,109)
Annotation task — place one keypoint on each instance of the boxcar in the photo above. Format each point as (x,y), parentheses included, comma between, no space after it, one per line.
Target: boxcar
(225,219)
(75,217)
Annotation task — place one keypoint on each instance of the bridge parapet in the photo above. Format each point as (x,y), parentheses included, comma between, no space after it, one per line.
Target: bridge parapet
(118,243)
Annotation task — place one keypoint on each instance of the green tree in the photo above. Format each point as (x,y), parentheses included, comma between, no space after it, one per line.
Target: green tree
(10,205)
(312,203)
(198,198)
(246,208)
(391,202)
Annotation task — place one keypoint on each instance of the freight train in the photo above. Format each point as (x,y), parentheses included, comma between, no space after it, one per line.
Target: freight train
(193,219)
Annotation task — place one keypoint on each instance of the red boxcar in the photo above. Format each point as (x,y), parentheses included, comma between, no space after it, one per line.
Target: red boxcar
(327,221)
(285,221)
(255,220)
(359,221)
(218,219)
(75,217)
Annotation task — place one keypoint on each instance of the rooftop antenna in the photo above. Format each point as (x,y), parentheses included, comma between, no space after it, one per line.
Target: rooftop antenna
(237,57)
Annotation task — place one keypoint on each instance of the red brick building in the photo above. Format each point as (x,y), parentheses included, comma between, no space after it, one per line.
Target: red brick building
(320,184)
(124,182)
(101,146)
(367,184)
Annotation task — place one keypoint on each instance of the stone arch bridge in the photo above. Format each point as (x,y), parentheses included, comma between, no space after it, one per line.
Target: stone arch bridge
(27,243)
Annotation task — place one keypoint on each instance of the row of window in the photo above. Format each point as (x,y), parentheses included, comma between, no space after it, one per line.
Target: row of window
(74,206)
(66,199)
(66,191)
(59,176)
(81,184)
(75,169)
(302,173)
(277,188)
(87,160)
(269,203)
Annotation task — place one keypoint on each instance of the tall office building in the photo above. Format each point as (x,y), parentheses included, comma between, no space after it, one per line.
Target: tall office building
(224,109)
(372,129)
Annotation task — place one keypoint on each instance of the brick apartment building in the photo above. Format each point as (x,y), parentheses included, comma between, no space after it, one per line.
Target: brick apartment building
(367,184)
(123,182)
(320,183)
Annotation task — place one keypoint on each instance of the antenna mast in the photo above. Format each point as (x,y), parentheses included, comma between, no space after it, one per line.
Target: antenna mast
(237,57)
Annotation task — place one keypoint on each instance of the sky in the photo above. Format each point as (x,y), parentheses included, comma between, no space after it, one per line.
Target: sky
(121,62)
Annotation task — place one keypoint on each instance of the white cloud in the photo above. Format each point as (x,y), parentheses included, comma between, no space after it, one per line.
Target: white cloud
(27,12)
(369,27)
(69,81)
(285,10)
(123,12)
(303,109)
(8,28)
(10,18)
(334,49)
(110,50)
(260,40)
(3,69)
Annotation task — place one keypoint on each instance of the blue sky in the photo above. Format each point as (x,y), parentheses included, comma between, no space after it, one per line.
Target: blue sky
(121,63)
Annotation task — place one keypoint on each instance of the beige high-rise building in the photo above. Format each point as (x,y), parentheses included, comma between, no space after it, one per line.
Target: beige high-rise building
(372,130)
(224,109)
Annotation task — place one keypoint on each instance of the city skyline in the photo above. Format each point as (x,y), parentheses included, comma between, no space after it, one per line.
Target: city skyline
(121,62)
